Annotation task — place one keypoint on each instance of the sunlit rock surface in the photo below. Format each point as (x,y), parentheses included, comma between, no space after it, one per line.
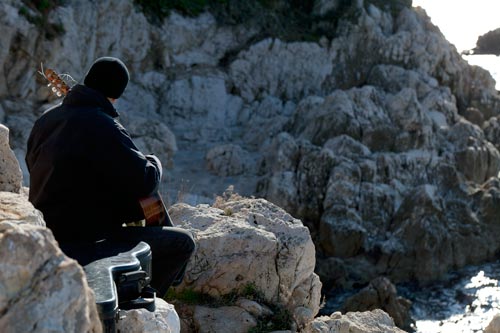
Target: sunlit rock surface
(382,294)
(246,242)
(381,138)
(40,288)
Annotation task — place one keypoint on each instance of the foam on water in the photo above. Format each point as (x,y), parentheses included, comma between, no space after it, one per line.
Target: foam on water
(465,303)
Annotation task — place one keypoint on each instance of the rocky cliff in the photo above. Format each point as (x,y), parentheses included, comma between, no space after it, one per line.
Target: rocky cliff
(375,131)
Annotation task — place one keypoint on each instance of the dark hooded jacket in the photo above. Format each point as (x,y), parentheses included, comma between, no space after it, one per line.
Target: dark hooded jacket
(86,174)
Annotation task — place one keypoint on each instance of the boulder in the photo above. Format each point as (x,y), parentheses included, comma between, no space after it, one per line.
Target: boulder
(10,172)
(250,242)
(382,294)
(40,288)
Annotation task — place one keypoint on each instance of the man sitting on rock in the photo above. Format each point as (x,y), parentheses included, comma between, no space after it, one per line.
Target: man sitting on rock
(87,176)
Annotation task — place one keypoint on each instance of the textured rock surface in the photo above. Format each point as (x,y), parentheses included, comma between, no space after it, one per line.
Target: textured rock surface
(163,320)
(376,321)
(10,173)
(250,241)
(380,137)
(228,160)
(41,290)
(381,294)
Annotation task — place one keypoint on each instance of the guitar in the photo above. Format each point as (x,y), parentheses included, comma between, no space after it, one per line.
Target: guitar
(154,209)
(59,86)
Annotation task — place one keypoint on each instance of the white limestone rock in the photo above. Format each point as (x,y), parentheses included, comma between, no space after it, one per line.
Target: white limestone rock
(40,288)
(191,41)
(273,67)
(250,241)
(11,177)
(163,320)
(16,207)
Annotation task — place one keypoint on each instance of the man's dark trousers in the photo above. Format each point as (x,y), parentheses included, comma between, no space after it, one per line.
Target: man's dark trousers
(171,249)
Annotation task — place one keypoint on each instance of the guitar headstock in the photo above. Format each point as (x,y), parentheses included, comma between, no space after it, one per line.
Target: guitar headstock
(57,84)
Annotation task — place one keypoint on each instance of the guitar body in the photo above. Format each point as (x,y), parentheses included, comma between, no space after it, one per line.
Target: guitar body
(155,211)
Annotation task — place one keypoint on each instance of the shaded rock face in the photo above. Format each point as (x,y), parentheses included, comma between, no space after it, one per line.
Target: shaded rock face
(381,138)
(489,43)
(40,288)
(382,294)
(393,170)
(251,242)
(228,160)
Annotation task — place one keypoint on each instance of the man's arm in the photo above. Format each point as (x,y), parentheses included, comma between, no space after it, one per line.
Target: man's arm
(120,163)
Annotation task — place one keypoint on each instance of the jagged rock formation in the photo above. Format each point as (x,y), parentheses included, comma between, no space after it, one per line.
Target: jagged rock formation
(378,135)
(489,43)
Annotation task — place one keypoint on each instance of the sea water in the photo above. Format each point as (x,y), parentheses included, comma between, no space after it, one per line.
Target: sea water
(466,300)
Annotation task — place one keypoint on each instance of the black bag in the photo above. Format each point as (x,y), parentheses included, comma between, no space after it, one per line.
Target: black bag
(121,282)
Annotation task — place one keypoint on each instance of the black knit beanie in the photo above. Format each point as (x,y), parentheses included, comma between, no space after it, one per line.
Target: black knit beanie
(108,75)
